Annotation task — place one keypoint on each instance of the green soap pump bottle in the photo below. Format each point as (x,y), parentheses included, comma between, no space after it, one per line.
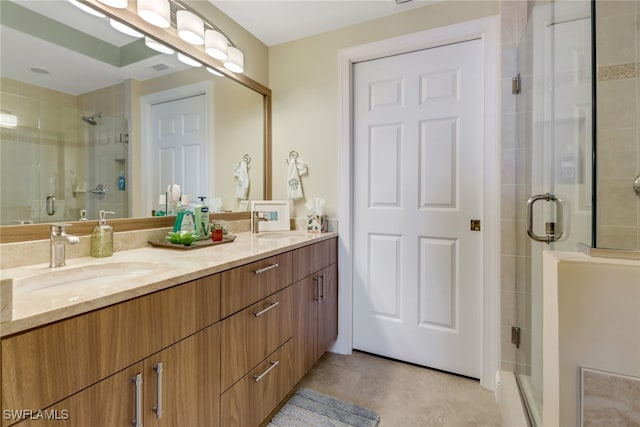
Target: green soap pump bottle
(102,237)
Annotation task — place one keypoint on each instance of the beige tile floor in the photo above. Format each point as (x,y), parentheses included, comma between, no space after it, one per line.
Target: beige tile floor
(403,395)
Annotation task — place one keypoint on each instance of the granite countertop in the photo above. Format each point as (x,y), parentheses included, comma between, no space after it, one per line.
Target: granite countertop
(22,310)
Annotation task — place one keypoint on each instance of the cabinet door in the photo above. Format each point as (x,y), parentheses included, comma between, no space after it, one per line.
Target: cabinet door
(111,402)
(327,309)
(305,325)
(310,259)
(182,384)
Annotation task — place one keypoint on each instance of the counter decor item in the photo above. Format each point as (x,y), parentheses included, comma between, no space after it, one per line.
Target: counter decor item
(193,244)
(316,221)
(102,237)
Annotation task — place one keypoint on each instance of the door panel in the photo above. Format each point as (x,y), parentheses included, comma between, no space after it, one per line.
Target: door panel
(179,145)
(417,183)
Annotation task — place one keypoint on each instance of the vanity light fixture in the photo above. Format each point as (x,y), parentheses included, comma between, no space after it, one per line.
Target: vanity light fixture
(157,46)
(215,72)
(118,4)
(235,62)
(216,44)
(155,12)
(125,29)
(87,9)
(8,120)
(188,60)
(190,27)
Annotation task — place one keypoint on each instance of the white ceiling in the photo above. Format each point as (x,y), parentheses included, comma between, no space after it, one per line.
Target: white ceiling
(279,21)
(69,71)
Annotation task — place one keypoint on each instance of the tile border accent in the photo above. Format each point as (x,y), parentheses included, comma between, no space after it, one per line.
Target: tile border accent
(618,72)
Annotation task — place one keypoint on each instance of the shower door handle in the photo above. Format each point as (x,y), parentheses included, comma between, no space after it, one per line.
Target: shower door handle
(557,232)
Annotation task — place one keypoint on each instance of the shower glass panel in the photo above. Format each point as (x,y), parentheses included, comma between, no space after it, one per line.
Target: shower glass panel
(554,162)
(53,161)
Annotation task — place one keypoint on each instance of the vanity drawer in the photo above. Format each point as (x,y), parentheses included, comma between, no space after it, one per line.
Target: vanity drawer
(243,286)
(257,394)
(44,365)
(249,336)
(313,258)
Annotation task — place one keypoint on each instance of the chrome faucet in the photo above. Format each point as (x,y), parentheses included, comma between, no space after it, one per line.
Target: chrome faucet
(256,217)
(57,244)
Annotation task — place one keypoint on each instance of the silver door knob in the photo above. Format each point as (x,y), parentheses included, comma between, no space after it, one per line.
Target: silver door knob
(636,185)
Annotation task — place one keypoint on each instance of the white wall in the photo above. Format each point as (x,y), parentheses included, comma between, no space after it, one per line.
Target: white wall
(303,76)
(591,319)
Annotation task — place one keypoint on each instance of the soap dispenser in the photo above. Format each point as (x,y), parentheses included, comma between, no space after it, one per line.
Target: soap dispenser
(201,219)
(102,237)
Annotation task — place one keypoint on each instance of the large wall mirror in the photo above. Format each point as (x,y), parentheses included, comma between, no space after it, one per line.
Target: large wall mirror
(106,123)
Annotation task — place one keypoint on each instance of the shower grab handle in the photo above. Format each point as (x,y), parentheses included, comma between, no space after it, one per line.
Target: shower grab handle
(557,234)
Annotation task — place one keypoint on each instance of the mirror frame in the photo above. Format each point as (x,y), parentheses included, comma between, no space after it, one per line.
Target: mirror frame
(169,36)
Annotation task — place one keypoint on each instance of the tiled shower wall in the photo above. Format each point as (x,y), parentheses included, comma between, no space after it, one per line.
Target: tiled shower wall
(618,101)
(47,153)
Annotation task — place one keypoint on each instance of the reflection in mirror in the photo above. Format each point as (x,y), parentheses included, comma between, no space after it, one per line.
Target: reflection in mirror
(618,148)
(76,88)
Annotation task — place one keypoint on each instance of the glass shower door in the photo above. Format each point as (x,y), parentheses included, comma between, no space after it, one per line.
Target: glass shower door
(554,169)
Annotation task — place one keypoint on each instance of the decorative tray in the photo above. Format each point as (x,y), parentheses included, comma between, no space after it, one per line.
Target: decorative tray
(195,245)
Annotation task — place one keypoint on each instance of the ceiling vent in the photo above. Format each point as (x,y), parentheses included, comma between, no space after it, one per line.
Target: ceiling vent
(160,67)
(402,1)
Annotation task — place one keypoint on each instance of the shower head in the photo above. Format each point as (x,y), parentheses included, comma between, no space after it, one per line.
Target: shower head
(92,119)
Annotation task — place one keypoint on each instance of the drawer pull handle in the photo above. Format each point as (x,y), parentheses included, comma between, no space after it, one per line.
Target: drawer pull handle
(267,268)
(322,286)
(273,365)
(157,408)
(261,312)
(137,380)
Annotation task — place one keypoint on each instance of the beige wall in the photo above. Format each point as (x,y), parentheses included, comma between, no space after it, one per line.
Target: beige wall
(591,319)
(303,76)
(256,53)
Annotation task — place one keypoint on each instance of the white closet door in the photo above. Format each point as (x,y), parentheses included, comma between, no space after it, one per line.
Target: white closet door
(418,144)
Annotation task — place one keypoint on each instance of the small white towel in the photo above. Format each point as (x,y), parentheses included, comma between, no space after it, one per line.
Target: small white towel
(242,173)
(294,185)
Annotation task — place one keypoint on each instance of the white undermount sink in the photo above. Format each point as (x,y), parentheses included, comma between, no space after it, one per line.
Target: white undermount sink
(280,234)
(88,275)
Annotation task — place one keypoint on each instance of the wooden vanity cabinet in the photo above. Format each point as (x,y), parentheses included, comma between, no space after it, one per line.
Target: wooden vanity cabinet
(176,386)
(48,364)
(315,304)
(230,346)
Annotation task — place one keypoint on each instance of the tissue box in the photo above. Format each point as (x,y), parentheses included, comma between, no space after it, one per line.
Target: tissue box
(316,223)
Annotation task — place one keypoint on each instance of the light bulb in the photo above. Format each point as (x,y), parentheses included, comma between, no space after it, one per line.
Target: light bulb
(118,4)
(188,60)
(215,72)
(235,62)
(190,27)
(87,9)
(125,29)
(155,12)
(157,46)
(216,44)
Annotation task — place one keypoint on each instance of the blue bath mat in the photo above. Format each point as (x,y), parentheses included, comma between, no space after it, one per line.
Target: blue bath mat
(309,408)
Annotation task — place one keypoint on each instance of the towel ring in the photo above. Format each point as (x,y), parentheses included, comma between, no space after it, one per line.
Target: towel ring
(293,155)
(246,158)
